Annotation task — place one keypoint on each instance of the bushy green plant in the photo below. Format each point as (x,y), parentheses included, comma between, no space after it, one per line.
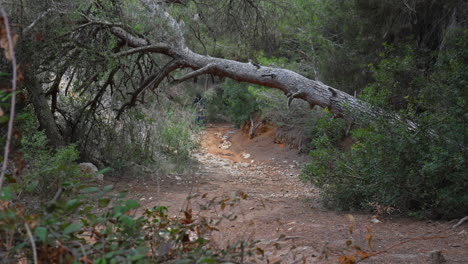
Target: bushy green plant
(47,169)
(99,226)
(421,172)
(240,102)
(154,140)
(175,137)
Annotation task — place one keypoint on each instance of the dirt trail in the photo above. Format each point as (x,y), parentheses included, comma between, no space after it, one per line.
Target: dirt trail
(278,204)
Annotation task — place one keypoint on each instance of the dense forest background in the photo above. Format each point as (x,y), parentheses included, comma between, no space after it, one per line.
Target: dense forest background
(79,100)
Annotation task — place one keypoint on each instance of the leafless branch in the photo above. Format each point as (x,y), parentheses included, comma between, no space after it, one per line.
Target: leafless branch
(13,96)
(460,222)
(203,70)
(158,48)
(152,81)
(33,243)
(34,23)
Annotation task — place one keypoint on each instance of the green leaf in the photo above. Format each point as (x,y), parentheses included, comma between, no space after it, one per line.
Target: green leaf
(127,220)
(141,250)
(22,116)
(72,203)
(100,261)
(108,188)
(209,260)
(72,228)
(183,261)
(103,170)
(5,194)
(109,255)
(89,189)
(121,194)
(136,257)
(132,204)
(104,202)
(41,233)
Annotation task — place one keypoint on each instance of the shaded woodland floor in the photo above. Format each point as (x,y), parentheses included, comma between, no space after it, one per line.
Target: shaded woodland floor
(283,213)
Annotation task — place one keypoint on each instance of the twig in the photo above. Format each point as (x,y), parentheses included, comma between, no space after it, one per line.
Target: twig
(460,222)
(404,242)
(33,244)
(203,70)
(57,195)
(13,96)
(33,24)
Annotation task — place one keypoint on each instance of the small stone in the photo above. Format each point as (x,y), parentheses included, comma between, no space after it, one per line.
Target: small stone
(89,168)
(375,221)
(437,257)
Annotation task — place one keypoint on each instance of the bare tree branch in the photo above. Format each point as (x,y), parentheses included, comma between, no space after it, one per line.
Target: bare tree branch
(33,243)
(157,48)
(13,96)
(291,83)
(204,70)
(152,81)
(34,23)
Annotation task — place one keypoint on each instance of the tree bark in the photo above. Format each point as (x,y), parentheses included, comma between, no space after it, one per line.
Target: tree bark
(44,114)
(291,83)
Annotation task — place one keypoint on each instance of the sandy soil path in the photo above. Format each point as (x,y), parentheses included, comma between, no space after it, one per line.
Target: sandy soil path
(278,205)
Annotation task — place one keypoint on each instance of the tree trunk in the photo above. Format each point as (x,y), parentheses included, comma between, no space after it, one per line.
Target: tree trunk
(291,83)
(44,114)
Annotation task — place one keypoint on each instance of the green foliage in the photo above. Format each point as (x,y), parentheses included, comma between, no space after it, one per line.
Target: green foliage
(419,172)
(157,145)
(47,169)
(101,226)
(4,105)
(270,61)
(175,139)
(239,101)
(398,77)
(328,131)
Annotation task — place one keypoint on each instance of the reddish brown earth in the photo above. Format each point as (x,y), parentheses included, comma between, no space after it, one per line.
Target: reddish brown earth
(278,204)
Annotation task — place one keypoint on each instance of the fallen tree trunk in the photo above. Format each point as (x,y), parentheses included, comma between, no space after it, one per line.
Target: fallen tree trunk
(291,83)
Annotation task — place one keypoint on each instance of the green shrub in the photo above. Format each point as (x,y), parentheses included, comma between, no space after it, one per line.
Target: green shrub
(391,166)
(47,169)
(176,137)
(215,109)
(420,172)
(99,226)
(239,101)
(154,141)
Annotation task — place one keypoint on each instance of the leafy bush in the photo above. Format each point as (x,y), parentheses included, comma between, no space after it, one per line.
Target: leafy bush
(99,226)
(47,169)
(239,101)
(156,145)
(391,166)
(176,137)
(421,172)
